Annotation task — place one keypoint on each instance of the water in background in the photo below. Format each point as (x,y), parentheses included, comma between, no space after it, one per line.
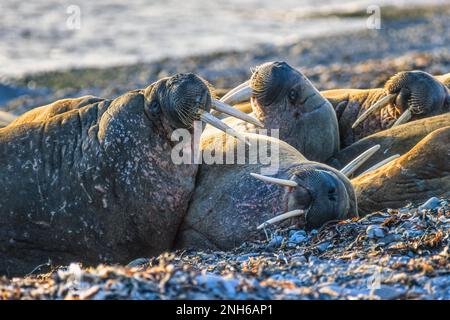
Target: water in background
(43,35)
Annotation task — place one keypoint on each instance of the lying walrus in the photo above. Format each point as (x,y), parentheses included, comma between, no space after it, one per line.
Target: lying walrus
(406,96)
(283,98)
(92,179)
(418,175)
(394,142)
(228,203)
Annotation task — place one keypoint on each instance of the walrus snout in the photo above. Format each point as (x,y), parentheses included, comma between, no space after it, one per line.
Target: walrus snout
(413,95)
(182,96)
(316,193)
(323,196)
(417,91)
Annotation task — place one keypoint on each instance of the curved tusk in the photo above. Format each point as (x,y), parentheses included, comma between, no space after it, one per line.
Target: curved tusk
(405,117)
(377,106)
(229,93)
(216,123)
(380,164)
(240,95)
(224,108)
(281,217)
(281,182)
(359,160)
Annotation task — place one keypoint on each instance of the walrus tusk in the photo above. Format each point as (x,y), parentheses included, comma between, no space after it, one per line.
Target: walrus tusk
(281,182)
(224,108)
(380,164)
(246,83)
(240,95)
(216,123)
(405,117)
(359,160)
(377,106)
(281,217)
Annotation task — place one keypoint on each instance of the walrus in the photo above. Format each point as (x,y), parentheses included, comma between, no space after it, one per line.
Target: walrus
(394,142)
(283,98)
(92,179)
(229,205)
(421,173)
(408,95)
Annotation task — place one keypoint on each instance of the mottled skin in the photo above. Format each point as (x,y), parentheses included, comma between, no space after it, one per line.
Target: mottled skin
(398,140)
(288,101)
(421,173)
(424,94)
(228,203)
(92,180)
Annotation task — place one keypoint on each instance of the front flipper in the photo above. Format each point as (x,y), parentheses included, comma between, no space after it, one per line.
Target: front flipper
(420,174)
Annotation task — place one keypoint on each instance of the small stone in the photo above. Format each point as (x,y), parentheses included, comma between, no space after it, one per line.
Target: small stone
(374,231)
(323,246)
(388,293)
(298,237)
(275,242)
(430,204)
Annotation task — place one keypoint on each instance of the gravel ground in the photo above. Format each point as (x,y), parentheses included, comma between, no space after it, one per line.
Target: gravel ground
(397,254)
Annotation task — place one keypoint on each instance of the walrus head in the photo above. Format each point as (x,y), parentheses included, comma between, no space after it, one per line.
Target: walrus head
(413,95)
(185,98)
(315,192)
(283,98)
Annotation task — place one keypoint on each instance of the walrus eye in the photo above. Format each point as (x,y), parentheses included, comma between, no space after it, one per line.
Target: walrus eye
(154,106)
(292,96)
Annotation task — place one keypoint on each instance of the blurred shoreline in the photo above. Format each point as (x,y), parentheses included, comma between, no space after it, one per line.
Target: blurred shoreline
(409,38)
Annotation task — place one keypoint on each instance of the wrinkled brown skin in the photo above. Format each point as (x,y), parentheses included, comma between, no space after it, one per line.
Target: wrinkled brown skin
(307,122)
(421,173)
(228,203)
(398,140)
(427,92)
(92,180)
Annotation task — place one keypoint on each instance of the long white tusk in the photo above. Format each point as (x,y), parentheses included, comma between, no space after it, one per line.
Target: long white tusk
(380,164)
(240,95)
(224,108)
(216,123)
(229,93)
(377,106)
(281,217)
(405,117)
(359,160)
(281,182)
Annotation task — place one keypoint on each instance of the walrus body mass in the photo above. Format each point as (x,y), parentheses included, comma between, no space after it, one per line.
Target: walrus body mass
(92,180)
(229,204)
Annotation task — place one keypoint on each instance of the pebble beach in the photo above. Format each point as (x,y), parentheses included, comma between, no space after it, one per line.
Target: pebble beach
(397,253)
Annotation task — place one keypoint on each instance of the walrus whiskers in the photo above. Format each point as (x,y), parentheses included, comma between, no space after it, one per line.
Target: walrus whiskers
(405,117)
(235,89)
(242,94)
(359,160)
(281,217)
(281,182)
(216,123)
(377,106)
(380,164)
(224,108)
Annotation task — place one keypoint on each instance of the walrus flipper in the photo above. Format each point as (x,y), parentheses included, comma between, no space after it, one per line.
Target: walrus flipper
(420,174)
